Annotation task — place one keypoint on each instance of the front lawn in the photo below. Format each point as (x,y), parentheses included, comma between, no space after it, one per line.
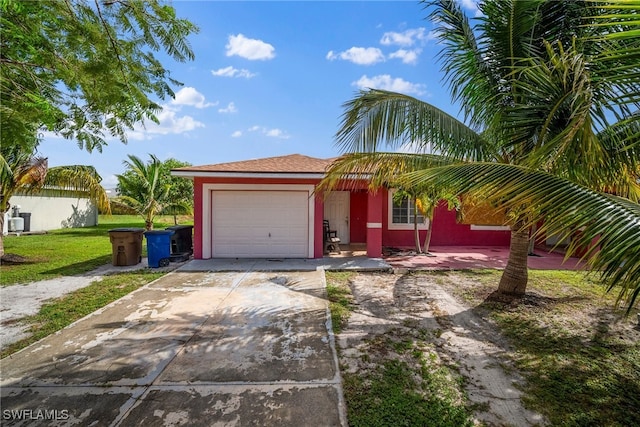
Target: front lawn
(61,312)
(68,251)
(578,355)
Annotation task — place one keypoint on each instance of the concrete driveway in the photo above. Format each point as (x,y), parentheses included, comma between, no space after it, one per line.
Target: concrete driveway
(192,348)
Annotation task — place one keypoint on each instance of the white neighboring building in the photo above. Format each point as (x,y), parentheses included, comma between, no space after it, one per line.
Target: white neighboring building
(54,211)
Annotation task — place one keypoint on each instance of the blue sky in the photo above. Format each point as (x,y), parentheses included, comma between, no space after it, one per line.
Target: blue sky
(270,78)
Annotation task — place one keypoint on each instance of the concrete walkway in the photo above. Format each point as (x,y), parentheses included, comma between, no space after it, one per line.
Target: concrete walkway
(192,348)
(22,300)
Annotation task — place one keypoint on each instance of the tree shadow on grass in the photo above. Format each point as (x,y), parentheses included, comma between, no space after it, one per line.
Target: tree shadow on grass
(15,259)
(79,268)
(581,370)
(97,230)
(575,376)
(530,299)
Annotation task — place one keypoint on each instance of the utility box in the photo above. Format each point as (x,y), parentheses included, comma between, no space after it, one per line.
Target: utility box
(158,247)
(126,246)
(181,240)
(16,224)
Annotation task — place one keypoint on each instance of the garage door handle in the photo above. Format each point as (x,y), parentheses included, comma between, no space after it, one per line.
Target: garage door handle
(269,234)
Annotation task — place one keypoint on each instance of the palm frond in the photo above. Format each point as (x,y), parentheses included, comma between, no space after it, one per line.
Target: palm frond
(469,73)
(178,208)
(607,226)
(619,15)
(376,117)
(79,178)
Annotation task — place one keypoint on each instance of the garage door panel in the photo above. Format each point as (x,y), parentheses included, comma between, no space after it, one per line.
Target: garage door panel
(260,223)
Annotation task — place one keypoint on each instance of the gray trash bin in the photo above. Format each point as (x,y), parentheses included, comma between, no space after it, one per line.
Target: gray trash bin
(181,240)
(26,216)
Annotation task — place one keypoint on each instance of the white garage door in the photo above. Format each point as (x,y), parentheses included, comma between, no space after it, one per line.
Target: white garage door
(260,224)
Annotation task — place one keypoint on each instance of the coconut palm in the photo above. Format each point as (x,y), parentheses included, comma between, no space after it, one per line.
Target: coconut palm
(23,171)
(144,191)
(549,92)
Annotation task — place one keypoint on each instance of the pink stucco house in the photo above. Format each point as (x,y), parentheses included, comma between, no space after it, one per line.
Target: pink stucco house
(269,208)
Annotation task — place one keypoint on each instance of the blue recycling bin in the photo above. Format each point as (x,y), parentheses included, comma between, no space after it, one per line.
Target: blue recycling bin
(158,247)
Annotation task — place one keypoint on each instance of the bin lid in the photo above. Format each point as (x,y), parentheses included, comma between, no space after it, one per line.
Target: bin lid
(127,230)
(159,232)
(179,227)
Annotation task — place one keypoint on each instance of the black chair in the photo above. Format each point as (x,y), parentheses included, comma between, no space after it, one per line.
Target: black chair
(331,239)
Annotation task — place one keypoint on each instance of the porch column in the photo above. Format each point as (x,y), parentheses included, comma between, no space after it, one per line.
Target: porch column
(374,224)
(197,218)
(318,242)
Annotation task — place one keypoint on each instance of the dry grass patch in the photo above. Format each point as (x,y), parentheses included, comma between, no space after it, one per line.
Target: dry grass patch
(579,354)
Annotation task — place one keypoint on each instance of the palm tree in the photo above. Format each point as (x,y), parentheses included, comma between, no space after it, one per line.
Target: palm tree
(549,92)
(144,190)
(21,170)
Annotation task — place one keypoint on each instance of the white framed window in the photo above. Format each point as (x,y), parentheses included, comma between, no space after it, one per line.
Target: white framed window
(401,214)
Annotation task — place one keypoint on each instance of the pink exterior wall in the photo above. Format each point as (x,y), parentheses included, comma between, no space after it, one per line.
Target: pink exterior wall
(446,231)
(366,212)
(318,242)
(197,207)
(197,218)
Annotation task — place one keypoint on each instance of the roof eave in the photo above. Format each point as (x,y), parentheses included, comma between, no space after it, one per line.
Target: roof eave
(211,174)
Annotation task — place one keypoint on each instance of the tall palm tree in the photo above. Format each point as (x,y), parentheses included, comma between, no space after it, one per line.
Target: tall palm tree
(549,93)
(144,190)
(21,170)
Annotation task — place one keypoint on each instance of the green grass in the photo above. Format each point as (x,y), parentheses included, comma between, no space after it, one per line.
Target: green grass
(408,386)
(67,251)
(58,313)
(401,380)
(580,357)
(340,298)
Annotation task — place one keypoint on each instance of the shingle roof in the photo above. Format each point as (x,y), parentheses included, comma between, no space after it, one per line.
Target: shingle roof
(293,163)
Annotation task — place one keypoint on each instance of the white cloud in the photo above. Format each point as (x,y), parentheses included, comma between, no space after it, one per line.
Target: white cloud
(407,56)
(251,49)
(276,133)
(110,181)
(471,5)
(170,123)
(231,108)
(236,134)
(272,133)
(406,38)
(358,55)
(233,72)
(386,82)
(191,97)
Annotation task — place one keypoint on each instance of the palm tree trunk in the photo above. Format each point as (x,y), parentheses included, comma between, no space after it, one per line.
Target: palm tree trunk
(427,240)
(1,235)
(515,275)
(416,232)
